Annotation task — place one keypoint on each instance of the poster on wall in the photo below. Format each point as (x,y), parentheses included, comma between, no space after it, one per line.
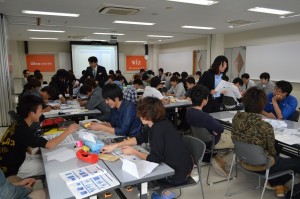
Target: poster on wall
(44,63)
(134,63)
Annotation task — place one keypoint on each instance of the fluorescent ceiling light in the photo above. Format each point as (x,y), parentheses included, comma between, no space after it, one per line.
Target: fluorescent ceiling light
(107,33)
(43,38)
(289,16)
(270,11)
(135,23)
(198,2)
(248,24)
(35,30)
(50,13)
(164,36)
(92,40)
(136,41)
(198,27)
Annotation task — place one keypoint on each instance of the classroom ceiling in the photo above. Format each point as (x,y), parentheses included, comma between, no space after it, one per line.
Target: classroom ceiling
(168,17)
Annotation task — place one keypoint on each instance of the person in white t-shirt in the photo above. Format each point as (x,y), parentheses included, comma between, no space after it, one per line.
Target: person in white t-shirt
(234,90)
(152,91)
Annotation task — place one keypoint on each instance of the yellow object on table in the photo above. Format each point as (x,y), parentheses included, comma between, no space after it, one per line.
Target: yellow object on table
(108,157)
(53,131)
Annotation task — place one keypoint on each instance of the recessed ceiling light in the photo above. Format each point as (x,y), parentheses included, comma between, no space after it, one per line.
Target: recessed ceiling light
(135,23)
(198,27)
(270,11)
(136,41)
(164,36)
(35,30)
(93,40)
(198,2)
(50,13)
(43,38)
(107,33)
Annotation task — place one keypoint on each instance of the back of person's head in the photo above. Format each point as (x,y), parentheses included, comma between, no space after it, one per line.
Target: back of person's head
(30,77)
(265,76)
(33,83)
(174,79)
(161,70)
(286,87)
(254,100)
(198,94)
(120,78)
(137,76)
(220,60)
(184,75)
(111,72)
(38,76)
(82,72)
(150,72)
(27,104)
(225,78)
(145,77)
(199,73)
(245,75)
(138,82)
(112,91)
(118,72)
(238,80)
(155,81)
(190,80)
(176,74)
(85,89)
(50,91)
(111,77)
(151,109)
(142,70)
(36,71)
(25,71)
(91,82)
(93,59)
(61,74)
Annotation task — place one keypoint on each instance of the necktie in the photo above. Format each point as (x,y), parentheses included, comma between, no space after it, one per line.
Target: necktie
(94,73)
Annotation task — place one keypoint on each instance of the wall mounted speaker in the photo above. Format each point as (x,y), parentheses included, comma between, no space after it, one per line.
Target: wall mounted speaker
(26,47)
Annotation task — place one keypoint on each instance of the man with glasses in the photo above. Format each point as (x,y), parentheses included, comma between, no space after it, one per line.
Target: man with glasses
(281,105)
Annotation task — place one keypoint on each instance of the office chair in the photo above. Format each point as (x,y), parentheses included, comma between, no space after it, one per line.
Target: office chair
(245,152)
(197,148)
(229,104)
(204,135)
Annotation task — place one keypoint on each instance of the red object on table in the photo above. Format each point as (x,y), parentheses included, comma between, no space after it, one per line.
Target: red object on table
(87,156)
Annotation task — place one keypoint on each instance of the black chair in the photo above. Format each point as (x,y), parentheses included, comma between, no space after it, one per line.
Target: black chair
(197,148)
(13,116)
(294,117)
(204,135)
(254,155)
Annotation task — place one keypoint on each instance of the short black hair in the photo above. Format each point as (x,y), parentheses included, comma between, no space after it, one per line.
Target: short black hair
(91,82)
(198,94)
(176,74)
(138,82)
(254,100)
(83,72)
(27,104)
(286,87)
(151,108)
(33,83)
(25,71)
(51,91)
(111,72)
(38,76)
(120,78)
(118,72)
(161,70)
(142,70)
(93,59)
(36,71)
(184,75)
(61,73)
(238,80)
(155,81)
(112,91)
(85,88)
(225,78)
(190,80)
(265,75)
(111,77)
(174,79)
(150,72)
(245,75)
(219,60)
(198,73)
(145,76)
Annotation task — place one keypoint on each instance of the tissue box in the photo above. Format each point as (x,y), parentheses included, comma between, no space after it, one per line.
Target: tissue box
(94,147)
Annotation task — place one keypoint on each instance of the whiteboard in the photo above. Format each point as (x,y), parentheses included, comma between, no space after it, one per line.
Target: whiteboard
(280,60)
(176,62)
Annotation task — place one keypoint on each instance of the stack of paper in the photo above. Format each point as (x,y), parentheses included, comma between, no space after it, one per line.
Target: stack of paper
(61,155)
(138,168)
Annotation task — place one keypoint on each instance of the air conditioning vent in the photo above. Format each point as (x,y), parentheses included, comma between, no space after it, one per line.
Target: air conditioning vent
(77,36)
(111,10)
(239,22)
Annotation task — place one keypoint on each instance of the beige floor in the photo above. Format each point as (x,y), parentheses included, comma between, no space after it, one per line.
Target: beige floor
(215,191)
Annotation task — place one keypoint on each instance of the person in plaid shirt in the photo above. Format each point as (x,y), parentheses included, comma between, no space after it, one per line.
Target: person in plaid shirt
(130,93)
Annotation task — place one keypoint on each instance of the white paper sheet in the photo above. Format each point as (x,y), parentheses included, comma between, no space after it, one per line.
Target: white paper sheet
(61,155)
(138,168)
(223,85)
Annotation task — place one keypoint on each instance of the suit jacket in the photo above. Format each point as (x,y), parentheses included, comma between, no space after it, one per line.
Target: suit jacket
(208,80)
(101,75)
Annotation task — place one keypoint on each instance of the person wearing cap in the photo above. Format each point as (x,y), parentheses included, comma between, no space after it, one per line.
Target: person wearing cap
(152,91)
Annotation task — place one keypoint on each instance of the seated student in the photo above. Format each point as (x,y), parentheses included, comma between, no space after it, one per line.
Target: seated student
(119,73)
(19,136)
(146,79)
(161,74)
(95,100)
(152,91)
(112,80)
(130,93)
(190,83)
(123,120)
(58,81)
(166,145)
(20,189)
(247,82)
(249,127)
(281,105)
(177,88)
(184,75)
(265,84)
(198,76)
(234,91)
(195,116)
(167,81)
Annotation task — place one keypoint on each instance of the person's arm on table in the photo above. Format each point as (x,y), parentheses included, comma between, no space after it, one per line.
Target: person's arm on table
(128,142)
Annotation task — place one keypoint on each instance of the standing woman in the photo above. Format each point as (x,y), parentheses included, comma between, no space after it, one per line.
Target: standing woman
(211,78)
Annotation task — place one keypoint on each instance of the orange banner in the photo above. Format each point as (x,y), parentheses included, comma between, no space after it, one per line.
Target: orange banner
(135,63)
(44,63)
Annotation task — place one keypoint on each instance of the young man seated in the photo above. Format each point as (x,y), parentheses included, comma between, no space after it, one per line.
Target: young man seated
(95,100)
(153,90)
(234,92)
(177,88)
(196,117)
(112,80)
(281,105)
(130,94)
(265,84)
(247,82)
(190,83)
(123,120)
(19,137)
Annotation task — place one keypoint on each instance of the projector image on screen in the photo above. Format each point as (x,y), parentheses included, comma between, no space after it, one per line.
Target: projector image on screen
(113,39)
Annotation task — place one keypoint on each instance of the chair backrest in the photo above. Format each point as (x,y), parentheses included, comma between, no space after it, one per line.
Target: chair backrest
(196,147)
(13,115)
(202,134)
(250,153)
(294,117)
(229,101)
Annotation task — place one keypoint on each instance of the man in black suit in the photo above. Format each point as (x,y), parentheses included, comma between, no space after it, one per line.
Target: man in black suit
(95,71)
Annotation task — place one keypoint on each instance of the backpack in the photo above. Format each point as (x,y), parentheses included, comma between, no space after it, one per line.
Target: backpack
(296,192)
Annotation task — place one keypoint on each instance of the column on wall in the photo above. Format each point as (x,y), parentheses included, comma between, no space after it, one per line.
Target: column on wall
(155,54)
(217,46)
